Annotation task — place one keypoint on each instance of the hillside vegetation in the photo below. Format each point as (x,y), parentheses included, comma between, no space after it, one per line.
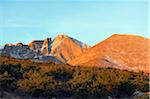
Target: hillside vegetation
(48,80)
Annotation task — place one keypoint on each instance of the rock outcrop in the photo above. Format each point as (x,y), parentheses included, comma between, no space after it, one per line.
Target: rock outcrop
(18,51)
(36,45)
(46,47)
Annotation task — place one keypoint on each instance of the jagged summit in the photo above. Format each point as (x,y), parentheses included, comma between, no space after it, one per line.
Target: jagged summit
(58,39)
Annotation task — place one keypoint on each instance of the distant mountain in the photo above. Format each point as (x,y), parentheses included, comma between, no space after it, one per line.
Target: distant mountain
(118,51)
(60,50)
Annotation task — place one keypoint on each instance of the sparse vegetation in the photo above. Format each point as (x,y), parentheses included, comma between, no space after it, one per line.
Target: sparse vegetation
(54,80)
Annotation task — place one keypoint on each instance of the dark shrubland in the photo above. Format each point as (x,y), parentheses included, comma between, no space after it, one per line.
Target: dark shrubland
(54,80)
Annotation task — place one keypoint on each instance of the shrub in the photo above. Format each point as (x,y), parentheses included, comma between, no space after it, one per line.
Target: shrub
(63,81)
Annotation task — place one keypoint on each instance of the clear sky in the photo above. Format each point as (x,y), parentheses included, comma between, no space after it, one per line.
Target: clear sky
(90,21)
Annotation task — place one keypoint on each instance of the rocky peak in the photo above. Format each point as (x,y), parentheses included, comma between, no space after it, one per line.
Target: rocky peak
(66,48)
(61,36)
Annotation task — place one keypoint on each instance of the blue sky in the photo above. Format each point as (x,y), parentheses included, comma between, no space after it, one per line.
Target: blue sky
(90,21)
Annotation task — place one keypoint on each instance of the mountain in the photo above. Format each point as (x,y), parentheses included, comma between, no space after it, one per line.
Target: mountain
(66,48)
(60,50)
(63,47)
(118,51)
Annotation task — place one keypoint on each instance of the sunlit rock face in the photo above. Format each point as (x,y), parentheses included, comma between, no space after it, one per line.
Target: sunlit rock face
(62,47)
(66,48)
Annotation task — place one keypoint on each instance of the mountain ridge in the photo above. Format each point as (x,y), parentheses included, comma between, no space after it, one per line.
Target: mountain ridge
(60,48)
(123,51)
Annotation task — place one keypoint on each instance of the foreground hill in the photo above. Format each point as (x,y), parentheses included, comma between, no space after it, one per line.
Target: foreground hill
(25,79)
(118,51)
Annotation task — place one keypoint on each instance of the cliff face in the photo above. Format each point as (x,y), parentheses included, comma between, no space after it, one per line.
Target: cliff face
(119,51)
(46,47)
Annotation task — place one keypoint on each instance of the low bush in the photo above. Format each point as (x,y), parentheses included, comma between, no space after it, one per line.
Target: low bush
(55,80)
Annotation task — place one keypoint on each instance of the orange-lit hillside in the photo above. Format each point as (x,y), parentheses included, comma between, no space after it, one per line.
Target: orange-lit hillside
(119,51)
